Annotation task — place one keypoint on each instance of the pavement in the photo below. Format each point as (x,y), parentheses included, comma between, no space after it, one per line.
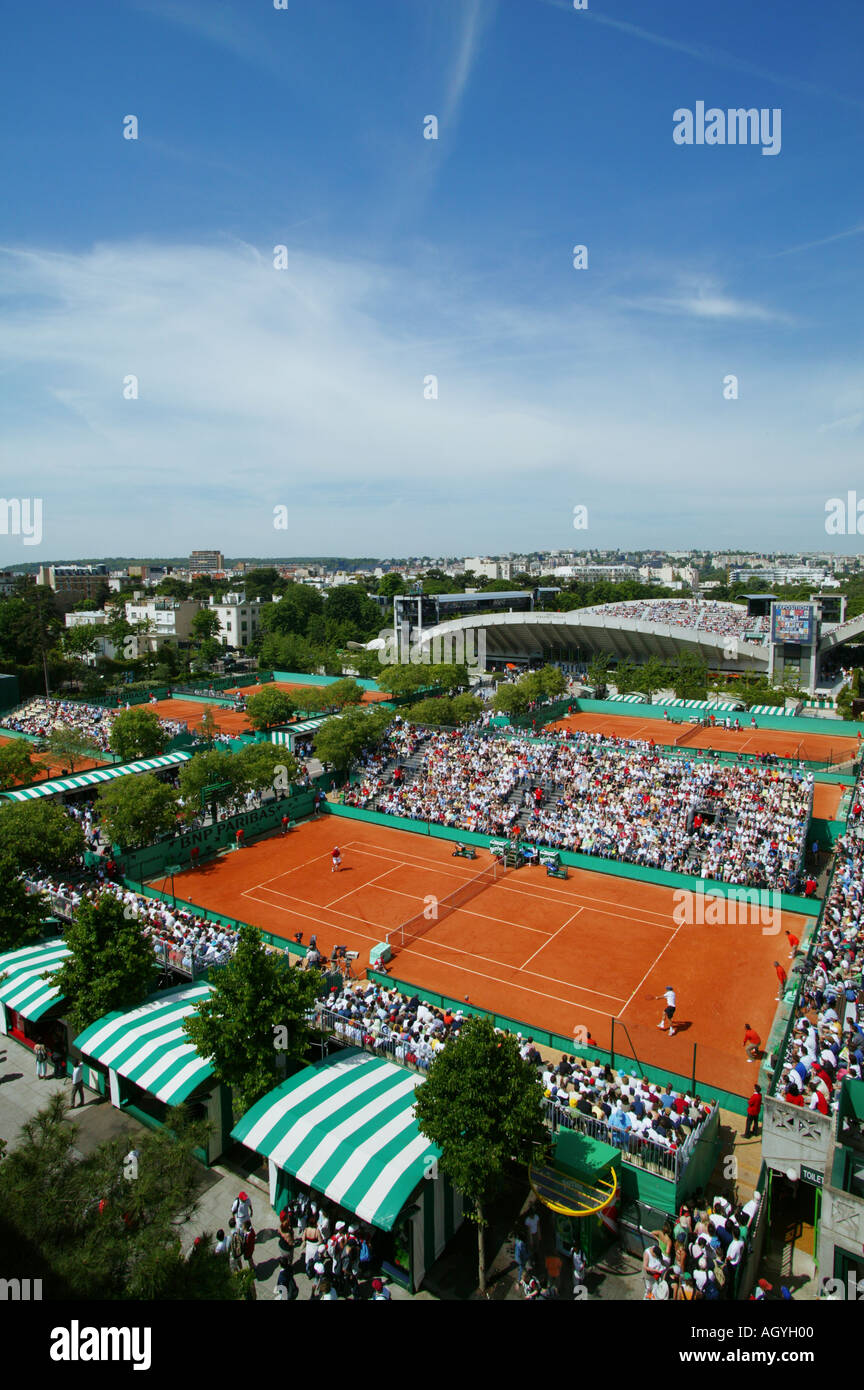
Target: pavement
(22,1095)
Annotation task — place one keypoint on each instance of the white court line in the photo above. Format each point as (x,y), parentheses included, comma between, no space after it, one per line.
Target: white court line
(552,938)
(538,975)
(543,994)
(366,884)
(651,967)
(326,926)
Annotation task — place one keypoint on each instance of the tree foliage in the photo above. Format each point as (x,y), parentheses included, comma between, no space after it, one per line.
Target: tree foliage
(268,707)
(481,1105)
(253,1025)
(340,741)
(101,1233)
(136,733)
(137,810)
(38,836)
(112,965)
(16,766)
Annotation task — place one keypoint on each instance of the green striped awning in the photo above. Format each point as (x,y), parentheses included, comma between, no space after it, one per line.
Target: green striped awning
(23,988)
(148,1045)
(346,1127)
(96,774)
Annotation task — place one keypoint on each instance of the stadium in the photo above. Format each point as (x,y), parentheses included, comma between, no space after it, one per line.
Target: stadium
(582,875)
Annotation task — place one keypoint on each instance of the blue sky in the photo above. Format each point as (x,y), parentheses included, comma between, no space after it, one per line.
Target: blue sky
(407,258)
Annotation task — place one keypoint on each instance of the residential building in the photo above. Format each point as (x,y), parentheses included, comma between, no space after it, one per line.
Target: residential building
(238,620)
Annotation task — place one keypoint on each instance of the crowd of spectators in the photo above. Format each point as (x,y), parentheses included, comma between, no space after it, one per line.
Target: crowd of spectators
(620,1108)
(698,1254)
(365,1014)
(623,799)
(701,615)
(42,716)
(827,1040)
(181,939)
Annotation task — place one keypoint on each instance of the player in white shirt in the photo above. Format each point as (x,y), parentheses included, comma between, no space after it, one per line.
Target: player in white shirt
(669,1011)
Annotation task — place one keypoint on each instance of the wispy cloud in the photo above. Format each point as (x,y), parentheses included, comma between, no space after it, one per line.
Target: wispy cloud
(707,301)
(823,241)
(476,15)
(704,53)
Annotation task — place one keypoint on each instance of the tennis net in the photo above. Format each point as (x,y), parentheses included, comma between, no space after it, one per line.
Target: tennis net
(437,909)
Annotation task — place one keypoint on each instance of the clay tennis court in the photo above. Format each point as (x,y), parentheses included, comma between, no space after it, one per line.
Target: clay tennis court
(297,690)
(813,747)
(49,765)
(566,956)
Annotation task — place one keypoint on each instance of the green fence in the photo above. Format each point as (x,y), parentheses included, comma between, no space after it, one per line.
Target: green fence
(152,861)
(825,728)
(558,1043)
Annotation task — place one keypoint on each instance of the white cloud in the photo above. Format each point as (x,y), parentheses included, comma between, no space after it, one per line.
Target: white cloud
(304,387)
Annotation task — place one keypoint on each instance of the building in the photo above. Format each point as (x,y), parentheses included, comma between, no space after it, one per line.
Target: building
(162,620)
(206,561)
(86,581)
(104,647)
(239,619)
(489,569)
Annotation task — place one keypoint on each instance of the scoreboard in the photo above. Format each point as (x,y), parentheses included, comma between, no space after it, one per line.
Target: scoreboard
(792,622)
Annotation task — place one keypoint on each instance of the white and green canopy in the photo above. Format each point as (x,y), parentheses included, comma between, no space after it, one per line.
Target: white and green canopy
(148,1045)
(24,989)
(346,1127)
(95,775)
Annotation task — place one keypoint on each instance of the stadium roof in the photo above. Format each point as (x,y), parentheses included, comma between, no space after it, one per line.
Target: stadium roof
(148,1045)
(24,989)
(95,775)
(346,1127)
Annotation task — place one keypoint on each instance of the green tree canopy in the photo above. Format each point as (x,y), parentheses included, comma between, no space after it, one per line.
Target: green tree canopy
(137,810)
(136,733)
(344,692)
(651,676)
(206,624)
(265,765)
(510,699)
(106,1230)
(340,741)
(70,745)
(481,1105)
(253,1024)
(214,769)
(21,913)
(268,707)
(112,965)
(39,835)
(16,765)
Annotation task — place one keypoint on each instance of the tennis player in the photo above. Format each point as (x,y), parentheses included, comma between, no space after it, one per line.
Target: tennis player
(337,860)
(669,1011)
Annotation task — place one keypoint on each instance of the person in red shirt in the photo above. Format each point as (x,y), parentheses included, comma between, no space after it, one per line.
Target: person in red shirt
(810,887)
(285,823)
(754,1108)
(239,837)
(794,943)
(782,977)
(752,1043)
(794,1098)
(337,860)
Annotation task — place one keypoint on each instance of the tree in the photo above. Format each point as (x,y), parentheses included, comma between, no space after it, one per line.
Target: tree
(112,965)
(437,711)
(404,679)
(216,769)
(340,741)
(598,669)
(206,624)
(625,675)
(80,641)
(21,913)
(268,707)
(70,745)
(466,708)
(689,676)
(15,763)
(390,584)
(137,810)
(208,728)
(136,733)
(38,836)
(254,1022)
(449,675)
(481,1105)
(553,682)
(345,692)
(265,765)
(652,676)
(102,1233)
(510,699)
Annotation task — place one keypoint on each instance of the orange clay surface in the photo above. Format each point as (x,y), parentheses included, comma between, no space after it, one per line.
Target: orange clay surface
(230,721)
(812,747)
(826,798)
(49,765)
(560,955)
